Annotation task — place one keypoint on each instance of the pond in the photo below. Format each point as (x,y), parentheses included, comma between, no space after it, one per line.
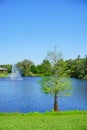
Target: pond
(25,96)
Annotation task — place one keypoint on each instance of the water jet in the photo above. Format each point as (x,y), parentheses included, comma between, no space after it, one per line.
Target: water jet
(15,75)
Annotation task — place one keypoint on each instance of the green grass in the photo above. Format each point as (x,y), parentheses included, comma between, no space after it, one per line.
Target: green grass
(71,120)
(3,75)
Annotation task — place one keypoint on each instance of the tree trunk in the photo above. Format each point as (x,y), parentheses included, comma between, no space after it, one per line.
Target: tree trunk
(55,103)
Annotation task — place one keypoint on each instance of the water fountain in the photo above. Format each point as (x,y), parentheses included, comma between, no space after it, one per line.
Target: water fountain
(15,75)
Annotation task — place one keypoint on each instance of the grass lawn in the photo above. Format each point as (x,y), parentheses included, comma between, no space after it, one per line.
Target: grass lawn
(3,75)
(71,120)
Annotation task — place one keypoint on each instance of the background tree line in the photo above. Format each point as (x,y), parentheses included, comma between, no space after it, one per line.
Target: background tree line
(76,68)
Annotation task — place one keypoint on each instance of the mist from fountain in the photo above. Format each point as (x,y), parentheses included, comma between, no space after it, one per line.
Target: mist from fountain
(15,75)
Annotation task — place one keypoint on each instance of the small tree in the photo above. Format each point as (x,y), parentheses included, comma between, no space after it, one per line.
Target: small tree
(58,83)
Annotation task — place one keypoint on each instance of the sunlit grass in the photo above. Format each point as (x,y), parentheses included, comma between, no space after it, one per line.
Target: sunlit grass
(3,75)
(72,120)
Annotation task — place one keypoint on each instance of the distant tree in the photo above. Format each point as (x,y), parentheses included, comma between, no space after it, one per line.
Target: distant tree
(78,57)
(69,65)
(46,68)
(58,83)
(43,69)
(80,68)
(34,69)
(62,67)
(25,67)
(85,67)
(39,69)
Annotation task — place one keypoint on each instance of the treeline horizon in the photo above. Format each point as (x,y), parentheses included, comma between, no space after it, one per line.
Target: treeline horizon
(75,68)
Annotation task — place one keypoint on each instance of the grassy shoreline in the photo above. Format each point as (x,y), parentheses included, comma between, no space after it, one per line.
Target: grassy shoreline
(68,120)
(3,75)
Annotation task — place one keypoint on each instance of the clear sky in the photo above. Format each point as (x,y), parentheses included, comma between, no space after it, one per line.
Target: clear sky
(30,28)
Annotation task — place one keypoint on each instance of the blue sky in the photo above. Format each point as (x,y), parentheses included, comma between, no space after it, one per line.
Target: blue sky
(30,28)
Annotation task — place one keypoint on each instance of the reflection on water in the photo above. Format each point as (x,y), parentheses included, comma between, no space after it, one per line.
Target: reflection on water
(25,95)
(78,99)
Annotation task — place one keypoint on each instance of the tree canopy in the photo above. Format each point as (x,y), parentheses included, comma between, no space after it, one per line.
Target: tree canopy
(57,83)
(76,68)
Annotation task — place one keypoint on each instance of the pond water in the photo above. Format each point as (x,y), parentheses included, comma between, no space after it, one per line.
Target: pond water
(25,96)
